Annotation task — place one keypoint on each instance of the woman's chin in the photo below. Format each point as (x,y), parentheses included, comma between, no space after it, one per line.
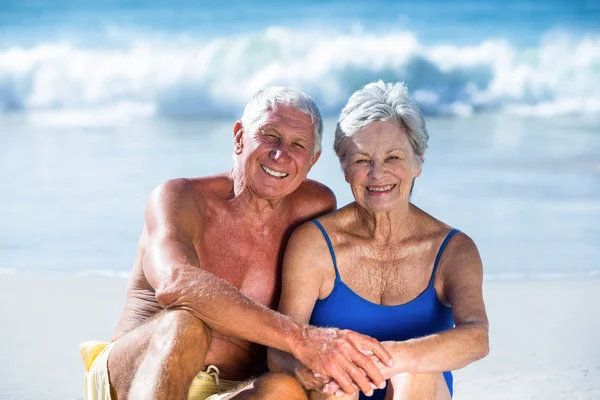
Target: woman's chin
(380,205)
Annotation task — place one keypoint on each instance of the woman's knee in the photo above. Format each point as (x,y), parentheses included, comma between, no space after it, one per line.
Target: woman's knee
(427,386)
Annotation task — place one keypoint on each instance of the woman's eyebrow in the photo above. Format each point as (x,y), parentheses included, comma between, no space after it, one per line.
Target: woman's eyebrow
(401,150)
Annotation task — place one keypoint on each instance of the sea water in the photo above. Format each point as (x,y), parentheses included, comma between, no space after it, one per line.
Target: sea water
(102,101)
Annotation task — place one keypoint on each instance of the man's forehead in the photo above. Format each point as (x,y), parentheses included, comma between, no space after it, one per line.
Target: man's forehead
(281,117)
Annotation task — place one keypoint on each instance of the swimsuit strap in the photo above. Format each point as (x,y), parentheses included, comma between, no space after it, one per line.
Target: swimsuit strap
(326,236)
(439,254)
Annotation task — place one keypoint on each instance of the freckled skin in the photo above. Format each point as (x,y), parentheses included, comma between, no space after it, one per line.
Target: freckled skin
(208,270)
(246,252)
(385,250)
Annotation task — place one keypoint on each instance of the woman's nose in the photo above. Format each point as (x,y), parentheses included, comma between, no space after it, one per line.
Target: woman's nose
(376,170)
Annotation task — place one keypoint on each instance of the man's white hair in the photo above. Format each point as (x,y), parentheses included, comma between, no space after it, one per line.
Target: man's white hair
(267,98)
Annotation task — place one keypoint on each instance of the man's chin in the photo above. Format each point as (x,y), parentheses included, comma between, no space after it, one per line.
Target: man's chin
(277,192)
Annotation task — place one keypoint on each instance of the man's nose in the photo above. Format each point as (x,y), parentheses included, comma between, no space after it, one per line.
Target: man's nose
(281,153)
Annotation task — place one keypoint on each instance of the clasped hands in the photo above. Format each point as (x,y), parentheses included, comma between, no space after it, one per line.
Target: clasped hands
(341,362)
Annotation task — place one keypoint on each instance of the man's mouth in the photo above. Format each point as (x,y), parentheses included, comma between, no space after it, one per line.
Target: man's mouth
(379,189)
(274,173)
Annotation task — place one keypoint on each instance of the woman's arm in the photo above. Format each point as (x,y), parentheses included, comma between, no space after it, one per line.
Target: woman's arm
(300,288)
(307,268)
(459,284)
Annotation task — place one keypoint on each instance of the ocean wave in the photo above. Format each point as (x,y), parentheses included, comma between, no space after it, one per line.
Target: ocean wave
(191,77)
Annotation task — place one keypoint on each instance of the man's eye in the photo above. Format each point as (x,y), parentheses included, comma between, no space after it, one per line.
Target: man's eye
(299,146)
(393,158)
(361,161)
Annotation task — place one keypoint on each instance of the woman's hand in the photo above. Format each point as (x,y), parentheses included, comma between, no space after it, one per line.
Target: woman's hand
(309,379)
(344,355)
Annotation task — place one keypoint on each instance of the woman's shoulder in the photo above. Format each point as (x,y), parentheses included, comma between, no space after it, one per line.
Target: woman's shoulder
(458,252)
(457,242)
(316,233)
(336,223)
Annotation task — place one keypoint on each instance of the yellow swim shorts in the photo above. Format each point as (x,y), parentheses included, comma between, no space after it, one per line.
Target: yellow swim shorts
(205,386)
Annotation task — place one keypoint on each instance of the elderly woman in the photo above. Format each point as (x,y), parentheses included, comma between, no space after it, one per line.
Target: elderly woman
(383,267)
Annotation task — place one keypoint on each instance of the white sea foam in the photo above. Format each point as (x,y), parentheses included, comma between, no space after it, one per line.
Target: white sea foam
(190,77)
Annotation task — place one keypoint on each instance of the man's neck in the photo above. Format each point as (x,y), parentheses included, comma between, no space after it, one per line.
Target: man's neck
(247,202)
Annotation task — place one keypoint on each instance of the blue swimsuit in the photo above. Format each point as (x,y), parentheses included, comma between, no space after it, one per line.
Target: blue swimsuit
(422,316)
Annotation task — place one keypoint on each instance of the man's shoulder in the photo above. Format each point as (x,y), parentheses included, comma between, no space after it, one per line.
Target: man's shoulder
(198,187)
(313,189)
(313,198)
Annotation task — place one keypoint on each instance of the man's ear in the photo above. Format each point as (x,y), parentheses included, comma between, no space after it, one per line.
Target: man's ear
(314,160)
(238,134)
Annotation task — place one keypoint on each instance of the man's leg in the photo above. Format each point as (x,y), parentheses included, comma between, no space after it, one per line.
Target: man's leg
(271,386)
(425,386)
(159,359)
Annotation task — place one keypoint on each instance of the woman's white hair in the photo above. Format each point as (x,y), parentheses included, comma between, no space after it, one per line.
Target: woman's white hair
(379,102)
(267,98)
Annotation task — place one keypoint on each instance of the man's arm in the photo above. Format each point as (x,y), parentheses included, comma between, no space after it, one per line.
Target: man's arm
(174,224)
(306,263)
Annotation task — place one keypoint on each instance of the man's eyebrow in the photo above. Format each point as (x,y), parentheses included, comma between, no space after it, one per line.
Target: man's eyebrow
(266,128)
(269,128)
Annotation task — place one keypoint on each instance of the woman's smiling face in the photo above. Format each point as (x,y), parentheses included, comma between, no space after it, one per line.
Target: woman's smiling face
(380,166)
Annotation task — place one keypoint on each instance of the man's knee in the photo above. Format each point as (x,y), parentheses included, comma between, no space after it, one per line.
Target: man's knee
(181,328)
(173,343)
(279,386)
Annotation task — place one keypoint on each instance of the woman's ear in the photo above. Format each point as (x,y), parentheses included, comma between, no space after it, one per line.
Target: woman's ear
(345,171)
(419,160)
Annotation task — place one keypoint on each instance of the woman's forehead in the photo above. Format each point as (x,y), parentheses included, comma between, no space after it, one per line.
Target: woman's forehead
(385,136)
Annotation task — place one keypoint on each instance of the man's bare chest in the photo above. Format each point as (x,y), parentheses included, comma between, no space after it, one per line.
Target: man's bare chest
(245,258)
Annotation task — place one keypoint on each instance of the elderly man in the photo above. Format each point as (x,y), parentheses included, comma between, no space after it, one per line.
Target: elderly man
(207,276)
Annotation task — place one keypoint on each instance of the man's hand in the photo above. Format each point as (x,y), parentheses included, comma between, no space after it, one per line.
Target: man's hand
(343,355)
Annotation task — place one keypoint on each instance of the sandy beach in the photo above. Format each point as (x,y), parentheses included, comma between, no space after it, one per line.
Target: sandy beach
(543,337)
